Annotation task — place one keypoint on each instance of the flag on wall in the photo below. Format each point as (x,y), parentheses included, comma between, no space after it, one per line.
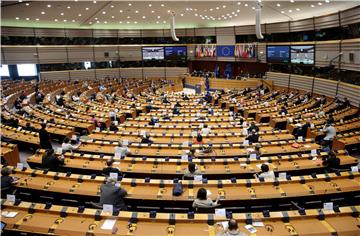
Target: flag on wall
(245,50)
(225,50)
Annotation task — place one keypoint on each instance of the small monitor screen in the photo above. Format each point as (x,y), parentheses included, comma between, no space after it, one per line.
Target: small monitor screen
(4,71)
(302,54)
(153,53)
(87,65)
(175,53)
(278,54)
(27,69)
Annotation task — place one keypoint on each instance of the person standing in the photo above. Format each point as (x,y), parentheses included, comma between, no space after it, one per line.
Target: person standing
(44,136)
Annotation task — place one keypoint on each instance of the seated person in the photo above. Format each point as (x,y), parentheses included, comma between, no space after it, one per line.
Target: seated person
(199,139)
(31,128)
(67,146)
(84,135)
(191,171)
(185,97)
(122,150)
(177,104)
(231,230)
(265,173)
(205,130)
(283,110)
(301,131)
(253,127)
(110,169)
(165,116)
(176,111)
(203,201)
(112,195)
(50,161)
(7,182)
(331,161)
(152,121)
(253,137)
(146,139)
(113,127)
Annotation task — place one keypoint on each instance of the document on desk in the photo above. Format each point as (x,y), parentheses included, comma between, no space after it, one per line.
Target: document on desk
(9,214)
(108,224)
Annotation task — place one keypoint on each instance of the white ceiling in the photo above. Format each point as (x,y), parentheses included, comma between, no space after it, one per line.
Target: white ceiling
(156,14)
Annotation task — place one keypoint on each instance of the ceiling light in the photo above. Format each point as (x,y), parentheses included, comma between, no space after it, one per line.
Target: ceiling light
(120,22)
(37,19)
(90,23)
(152,11)
(319,3)
(312,5)
(42,13)
(128,17)
(143,17)
(87,8)
(94,1)
(181,14)
(121,11)
(135,22)
(259,0)
(239,3)
(150,5)
(246,5)
(195,9)
(65,20)
(127,22)
(292,1)
(129,4)
(56,20)
(157,22)
(164,21)
(217,8)
(79,14)
(236,15)
(298,9)
(196,14)
(230,16)
(27,4)
(282,12)
(73,20)
(168,11)
(113,17)
(224,6)
(49,5)
(105,22)
(62,13)
(75,0)
(233,12)
(278,5)
(95,18)
(68,7)
(238,10)
(225,18)
(211,9)
(17,18)
(97,21)
(20,0)
(136,11)
(327,1)
(104,12)
(162,5)
(158,17)
(253,8)
(112,6)
(290,10)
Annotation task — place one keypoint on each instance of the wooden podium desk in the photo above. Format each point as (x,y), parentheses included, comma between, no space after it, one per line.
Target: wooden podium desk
(220,150)
(160,189)
(162,166)
(60,220)
(10,153)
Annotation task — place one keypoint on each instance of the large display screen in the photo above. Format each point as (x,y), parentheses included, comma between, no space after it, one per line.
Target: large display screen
(245,50)
(153,53)
(207,50)
(176,53)
(278,54)
(26,69)
(302,54)
(4,71)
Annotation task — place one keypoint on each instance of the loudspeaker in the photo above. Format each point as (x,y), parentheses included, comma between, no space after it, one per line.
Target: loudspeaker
(351,57)
(106,54)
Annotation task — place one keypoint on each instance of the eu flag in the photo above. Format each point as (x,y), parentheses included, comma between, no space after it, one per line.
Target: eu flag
(225,50)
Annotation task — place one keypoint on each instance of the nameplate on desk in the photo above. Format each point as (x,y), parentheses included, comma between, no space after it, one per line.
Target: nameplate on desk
(253,156)
(246,143)
(59,151)
(328,206)
(98,129)
(184,157)
(20,166)
(313,152)
(312,126)
(107,208)
(10,198)
(354,169)
(198,178)
(113,175)
(220,212)
(282,175)
(300,139)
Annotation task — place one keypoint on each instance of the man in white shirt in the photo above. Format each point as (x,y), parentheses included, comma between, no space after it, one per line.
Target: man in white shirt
(67,146)
(330,133)
(205,131)
(121,150)
(266,173)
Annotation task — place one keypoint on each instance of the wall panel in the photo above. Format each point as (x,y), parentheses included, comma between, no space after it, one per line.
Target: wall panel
(282,27)
(152,72)
(82,74)
(41,32)
(131,72)
(80,53)
(328,21)
(111,73)
(350,16)
(82,33)
(325,87)
(18,55)
(326,51)
(105,33)
(17,31)
(48,55)
(205,32)
(351,92)
(347,47)
(280,79)
(100,52)
(301,82)
(302,25)
(55,75)
(130,53)
(129,33)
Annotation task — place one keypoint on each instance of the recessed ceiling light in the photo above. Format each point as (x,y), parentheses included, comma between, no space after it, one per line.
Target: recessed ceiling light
(319,3)
(158,17)
(104,12)
(168,11)
(27,4)
(292,1)
(129,4)
(94,1)
(68,7)
(327,1)
(259,0)
(135,22)
(233,12)
(75,0)
(217,8)
(239,3)
(282,12)
(246,5)
(97,21)
(95,18)
(162,5)
(278,5)
(113,17)
(17,18)
(49,5)
(42,13)
(238,10)
(157,22)
(87,8)
(290,10)
(228,14)
(56,20)
(73,20)
(121,11)
(112,6)
(79,14)
(195,9)
(236,15)
(150,5)
(62,13)
(65,20)
(20,0)
(136,11)
(37,19)
(127,22)
(105,22)
(152,11)
(120,22)
(298,9)
(312,5)
(224,6)
(143,17)
(128,17)
(164,21)
(90,23)
(181,14)
(253,8)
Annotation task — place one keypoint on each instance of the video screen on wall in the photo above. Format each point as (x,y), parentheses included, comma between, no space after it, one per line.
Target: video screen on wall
(207,50)
(278,54)
(26,69)
(302,54)
(4,71)
(245,50)
(176,53)
(153,53)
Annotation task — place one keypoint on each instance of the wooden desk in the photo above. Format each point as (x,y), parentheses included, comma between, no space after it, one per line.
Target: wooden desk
(10,153)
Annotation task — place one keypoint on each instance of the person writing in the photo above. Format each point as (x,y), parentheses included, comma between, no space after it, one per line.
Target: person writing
(203,201)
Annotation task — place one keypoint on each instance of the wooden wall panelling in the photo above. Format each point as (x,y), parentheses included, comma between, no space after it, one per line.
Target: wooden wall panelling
(327,21)
(52,54)
(131,72)
(44,32)
(81,33)
(347,47)
(100,52)
(130,53)
(205,32)
(129,33)
(325,87)
(55,75)
(83,74)
(20,55)
(280,79)
(105,33)
(151,72)
(80,53)
(108,72)
(301,82)
(281,27)
(325,51)
(17,31)
(351,92)
(350,16)
(302,25)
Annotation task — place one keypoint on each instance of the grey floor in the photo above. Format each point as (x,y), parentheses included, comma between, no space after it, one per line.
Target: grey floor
(25,154)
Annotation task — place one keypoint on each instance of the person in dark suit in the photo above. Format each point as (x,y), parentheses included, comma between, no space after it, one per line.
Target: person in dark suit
(44,137)
(253,137)
(31,128)
(146,139)
(253,127)
(50,161)
(112,195)
(7,182)
(110,169)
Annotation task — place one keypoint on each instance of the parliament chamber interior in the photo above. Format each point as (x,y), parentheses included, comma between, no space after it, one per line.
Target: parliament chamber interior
(180,118)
